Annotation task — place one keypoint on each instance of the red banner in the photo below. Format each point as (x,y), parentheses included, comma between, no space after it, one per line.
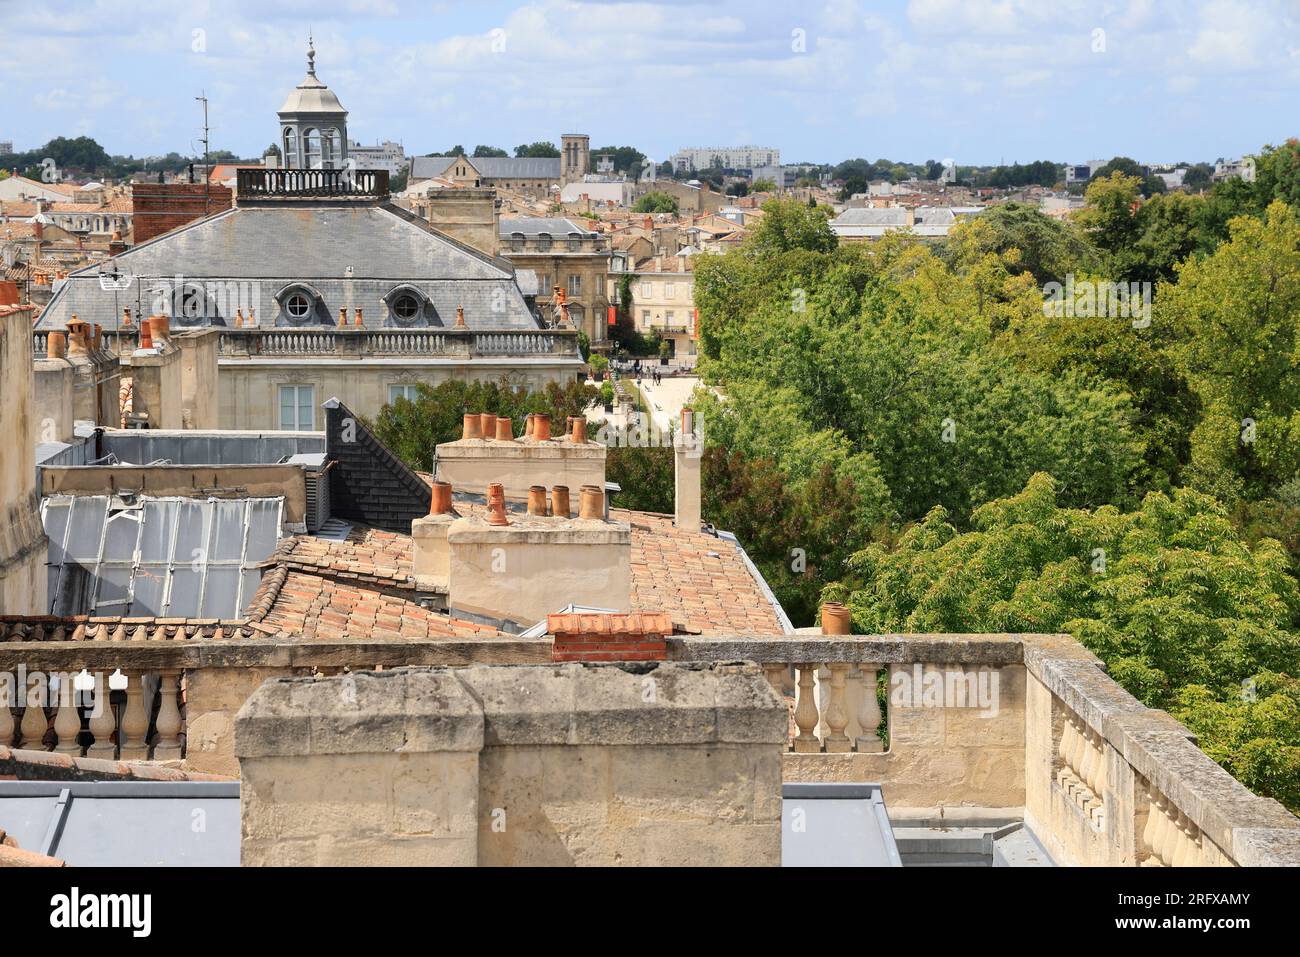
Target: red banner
(611,315)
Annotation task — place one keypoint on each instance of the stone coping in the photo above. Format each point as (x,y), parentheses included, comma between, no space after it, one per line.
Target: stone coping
(20,764)
(553,448)
(539,530)
(467,709)
(1253,830)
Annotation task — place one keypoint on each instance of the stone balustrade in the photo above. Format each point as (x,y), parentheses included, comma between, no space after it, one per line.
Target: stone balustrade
(128,715)
(951,727)
(354,343)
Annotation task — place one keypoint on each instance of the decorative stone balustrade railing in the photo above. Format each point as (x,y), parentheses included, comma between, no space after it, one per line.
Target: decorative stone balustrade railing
(1029,725)
(359,343)
(100,715)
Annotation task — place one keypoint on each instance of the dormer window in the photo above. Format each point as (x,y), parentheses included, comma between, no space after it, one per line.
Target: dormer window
(409,306)
(406,307)
(517,242)
(298,306)
(575,242)
(543,241)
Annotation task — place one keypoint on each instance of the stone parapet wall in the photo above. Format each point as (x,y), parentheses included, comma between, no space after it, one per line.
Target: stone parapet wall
(517,765)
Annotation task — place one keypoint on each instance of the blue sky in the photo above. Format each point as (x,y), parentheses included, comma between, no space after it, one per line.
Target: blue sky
(977,80)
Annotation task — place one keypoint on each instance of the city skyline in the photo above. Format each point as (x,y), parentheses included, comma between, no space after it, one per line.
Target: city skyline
(984,82)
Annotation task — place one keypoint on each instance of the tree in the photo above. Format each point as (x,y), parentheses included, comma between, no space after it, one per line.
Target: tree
(1236,316)
(1049,248)
(764,185)
(656,202)
(627,159)
(413,428)
(788,224)
(1182,610)
(538,149)
(480,151)
(273,150)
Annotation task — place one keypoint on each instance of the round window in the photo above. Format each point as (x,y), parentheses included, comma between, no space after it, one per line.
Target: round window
(298,306)
(406,307)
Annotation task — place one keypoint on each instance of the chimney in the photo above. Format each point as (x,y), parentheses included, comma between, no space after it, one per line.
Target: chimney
(472,427)
(146,334)
(687,450)
(239,318)
(542,428)
(430,557)
(76,337)
(537,500)
(639,636)
(116,245)
(560,501)
(343,317)
(38,228)
(56,345)
(358,322)
(836,619)
(126,318)
(162,330)
(460,317)
(471,464)
(505,429)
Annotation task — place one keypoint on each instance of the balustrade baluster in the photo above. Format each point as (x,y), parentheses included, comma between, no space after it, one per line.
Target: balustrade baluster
(837,715)
(1087,759)
(1065,751)
(1149,830)
(775,671)
(7,700)
(168,722)
(1187,853)
(103,721)
(805,712)
(868,741)
(34,723)
(67,718)
(135,720)
(1169,834)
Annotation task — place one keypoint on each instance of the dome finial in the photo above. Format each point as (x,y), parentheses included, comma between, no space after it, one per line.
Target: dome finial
(311,55)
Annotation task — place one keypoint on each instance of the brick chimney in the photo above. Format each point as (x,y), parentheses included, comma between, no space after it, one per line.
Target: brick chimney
(688,446)
(640,636)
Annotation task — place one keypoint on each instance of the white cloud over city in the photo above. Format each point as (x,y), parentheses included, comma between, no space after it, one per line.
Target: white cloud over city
(981,80)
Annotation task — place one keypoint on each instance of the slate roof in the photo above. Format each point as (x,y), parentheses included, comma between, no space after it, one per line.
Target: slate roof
(490,167)
(368,483)
(266,248)
(536,225)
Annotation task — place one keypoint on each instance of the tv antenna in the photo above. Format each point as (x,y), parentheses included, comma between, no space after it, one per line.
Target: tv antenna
(207,169)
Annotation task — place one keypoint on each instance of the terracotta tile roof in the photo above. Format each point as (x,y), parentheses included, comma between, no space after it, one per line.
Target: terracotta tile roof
(18,208)
(312,607)
(367,555)
(699,580)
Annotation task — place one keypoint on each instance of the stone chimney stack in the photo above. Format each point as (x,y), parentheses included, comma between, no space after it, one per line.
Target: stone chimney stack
(687,450)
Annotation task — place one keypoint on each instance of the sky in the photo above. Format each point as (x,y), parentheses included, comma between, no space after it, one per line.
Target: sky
(977,81)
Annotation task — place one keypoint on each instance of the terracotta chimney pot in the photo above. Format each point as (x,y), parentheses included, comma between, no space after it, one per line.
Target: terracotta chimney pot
(460,317)
(239,318)
(592,503)
(126,318)
(529,421)
(357,321)
(542,429)
(441,504)
(162,327)
(97,336)
(537,500)
(473,426)
(505,429)
(496,493)
(560,501)
(489,424)
(497,514)
(343,317)
(836,619)
(146,334)
(56,345)
(579,430)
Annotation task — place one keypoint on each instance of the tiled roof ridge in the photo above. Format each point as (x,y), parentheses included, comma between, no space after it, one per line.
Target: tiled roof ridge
(118,628)
(20,764)
(286,559)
